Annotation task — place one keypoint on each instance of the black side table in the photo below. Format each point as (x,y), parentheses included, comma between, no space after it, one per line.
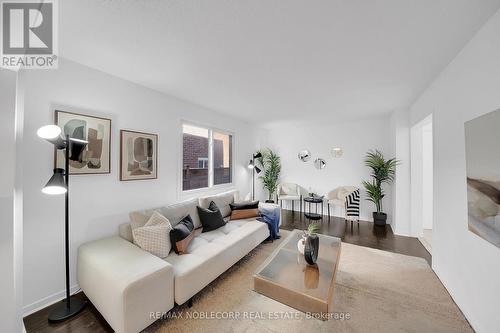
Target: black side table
(313,200)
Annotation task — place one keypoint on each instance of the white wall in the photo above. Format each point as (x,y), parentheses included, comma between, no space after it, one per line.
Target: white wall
(99,203)
(400,148)
(421,176)
(10,205)
(427,177)
(354,138)
(467,265)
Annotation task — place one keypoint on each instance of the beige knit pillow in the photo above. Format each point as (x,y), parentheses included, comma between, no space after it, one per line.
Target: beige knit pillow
(154,236)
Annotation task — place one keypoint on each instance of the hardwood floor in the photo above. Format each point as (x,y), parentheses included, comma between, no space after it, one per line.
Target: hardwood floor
(89,320)
(363,234)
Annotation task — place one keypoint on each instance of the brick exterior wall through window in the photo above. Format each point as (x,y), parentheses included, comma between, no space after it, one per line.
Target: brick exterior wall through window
(195,148)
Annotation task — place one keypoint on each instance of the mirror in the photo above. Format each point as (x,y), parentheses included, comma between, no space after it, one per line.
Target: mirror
(320,163)
(337,152)
(304,155)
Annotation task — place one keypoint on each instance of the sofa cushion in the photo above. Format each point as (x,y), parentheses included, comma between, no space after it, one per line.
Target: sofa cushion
(217,250)
(154,236)
(244,213)
(182,234)
(244,205)
(174,213)
(211,235)
(211,217)
(222,200)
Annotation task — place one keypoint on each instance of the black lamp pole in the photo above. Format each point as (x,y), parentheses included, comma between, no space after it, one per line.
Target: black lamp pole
(71,306)
(66,220)
(254,168)
(253,178)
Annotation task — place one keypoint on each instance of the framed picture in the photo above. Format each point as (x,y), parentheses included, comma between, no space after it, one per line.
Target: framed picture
(138,155)
(482,136)
(96,158)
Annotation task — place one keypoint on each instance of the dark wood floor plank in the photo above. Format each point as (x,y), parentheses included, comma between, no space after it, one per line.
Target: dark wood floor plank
(363,234)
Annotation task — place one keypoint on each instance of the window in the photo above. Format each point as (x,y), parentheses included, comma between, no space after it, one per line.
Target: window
(203,162)
(207,157)
(223,158)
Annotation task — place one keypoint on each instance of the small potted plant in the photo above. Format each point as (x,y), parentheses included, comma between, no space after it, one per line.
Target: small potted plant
(383,172)
(311,231)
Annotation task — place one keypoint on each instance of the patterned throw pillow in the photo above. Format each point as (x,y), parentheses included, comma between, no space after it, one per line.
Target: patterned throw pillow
(154,236)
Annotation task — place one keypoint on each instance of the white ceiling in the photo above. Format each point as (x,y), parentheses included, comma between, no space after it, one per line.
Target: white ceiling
(269,60)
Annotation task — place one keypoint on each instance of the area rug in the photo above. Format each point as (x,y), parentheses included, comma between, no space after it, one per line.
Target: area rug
(376,291)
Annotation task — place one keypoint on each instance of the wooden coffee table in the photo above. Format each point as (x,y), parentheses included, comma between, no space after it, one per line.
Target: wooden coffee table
(287,278)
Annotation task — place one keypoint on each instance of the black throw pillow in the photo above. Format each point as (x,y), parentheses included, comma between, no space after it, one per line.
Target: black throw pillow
(245,205)
(182,234)
(210,218)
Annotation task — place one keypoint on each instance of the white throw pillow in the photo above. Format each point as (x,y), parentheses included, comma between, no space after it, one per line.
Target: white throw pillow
(154,236)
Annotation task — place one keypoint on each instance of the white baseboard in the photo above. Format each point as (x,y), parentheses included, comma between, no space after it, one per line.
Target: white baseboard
(46,301)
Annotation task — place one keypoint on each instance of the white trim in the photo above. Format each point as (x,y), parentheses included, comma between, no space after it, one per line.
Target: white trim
(47,301)
(211,158)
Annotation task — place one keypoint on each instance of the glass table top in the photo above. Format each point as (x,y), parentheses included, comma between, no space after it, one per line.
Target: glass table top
(287,268)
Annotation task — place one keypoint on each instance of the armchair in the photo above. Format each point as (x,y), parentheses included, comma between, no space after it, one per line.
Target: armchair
(338,196)
(289,192)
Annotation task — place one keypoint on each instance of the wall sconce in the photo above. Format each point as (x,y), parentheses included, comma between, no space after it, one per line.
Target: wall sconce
(337,152)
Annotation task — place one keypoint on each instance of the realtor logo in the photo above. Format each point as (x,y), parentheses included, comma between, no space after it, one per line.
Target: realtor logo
(29,34)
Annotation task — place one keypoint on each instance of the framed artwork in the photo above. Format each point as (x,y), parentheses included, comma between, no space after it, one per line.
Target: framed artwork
(482,155)
(138,155)
(96,158)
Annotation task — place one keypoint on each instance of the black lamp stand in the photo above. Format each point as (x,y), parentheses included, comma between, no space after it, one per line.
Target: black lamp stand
(70,306)
(254,168)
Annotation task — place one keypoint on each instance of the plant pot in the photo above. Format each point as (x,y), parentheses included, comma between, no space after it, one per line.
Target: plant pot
(269,201)
(379,218)
(311,249)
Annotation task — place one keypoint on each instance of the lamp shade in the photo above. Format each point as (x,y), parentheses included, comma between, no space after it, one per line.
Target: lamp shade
(250,165)
(52,133)
(56,184)
(49,132)
(76,148)
(257,155)
(257,169)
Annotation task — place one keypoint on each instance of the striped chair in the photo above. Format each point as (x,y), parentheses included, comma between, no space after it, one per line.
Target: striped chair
(352,206)
(346,198)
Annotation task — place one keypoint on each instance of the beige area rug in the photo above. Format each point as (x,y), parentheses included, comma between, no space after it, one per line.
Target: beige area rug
(380,291)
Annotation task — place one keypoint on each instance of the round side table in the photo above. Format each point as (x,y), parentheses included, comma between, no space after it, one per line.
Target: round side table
(313,200)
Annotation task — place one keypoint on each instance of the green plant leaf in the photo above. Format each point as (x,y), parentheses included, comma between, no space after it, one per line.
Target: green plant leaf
(382,172)
(270,164)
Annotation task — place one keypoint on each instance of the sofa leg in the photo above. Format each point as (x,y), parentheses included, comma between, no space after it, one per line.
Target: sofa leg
(190,303)
(292,207)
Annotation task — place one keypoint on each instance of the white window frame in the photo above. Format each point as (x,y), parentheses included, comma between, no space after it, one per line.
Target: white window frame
(204,161)
(211,187)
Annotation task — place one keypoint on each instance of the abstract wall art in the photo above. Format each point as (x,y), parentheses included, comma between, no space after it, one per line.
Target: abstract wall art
(482,153)
(138,155)
(95,158)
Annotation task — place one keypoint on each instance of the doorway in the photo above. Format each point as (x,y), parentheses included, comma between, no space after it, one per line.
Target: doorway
(422,182)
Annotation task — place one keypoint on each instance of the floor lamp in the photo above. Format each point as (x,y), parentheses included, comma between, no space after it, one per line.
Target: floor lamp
(255,169)
(59,184)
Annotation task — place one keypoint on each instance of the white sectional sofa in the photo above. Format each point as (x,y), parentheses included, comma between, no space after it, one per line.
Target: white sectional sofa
(127,284)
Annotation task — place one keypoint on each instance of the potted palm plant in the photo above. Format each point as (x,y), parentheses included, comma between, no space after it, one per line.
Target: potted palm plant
(383,172)
(270,163)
